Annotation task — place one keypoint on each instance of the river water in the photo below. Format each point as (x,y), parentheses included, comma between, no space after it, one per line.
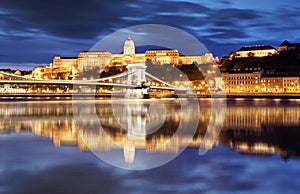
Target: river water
(150,146)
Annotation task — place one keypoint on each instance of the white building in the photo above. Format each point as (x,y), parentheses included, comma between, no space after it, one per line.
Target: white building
(256,51)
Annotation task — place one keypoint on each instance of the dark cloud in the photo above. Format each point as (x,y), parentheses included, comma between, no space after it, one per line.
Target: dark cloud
(237,14)
(77,25)
(225,2)
(70,19)
(74,19)
(227,34)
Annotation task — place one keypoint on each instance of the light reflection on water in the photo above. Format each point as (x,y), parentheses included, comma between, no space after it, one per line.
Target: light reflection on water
(266,132)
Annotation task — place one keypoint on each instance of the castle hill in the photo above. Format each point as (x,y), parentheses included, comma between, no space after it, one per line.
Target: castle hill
(260,70)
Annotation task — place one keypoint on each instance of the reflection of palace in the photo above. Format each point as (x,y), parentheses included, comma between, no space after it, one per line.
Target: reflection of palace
(69,67)
(261,129)
(56,121)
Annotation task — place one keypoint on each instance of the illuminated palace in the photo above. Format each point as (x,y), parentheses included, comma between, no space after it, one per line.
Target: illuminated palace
(69,67)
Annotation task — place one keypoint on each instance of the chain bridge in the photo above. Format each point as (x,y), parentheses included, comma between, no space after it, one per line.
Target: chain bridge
(136,80)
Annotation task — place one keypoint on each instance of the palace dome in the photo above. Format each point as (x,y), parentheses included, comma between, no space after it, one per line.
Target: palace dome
(129,47)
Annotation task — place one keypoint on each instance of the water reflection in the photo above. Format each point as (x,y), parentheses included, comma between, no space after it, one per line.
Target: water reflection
(138,128)
(262,128)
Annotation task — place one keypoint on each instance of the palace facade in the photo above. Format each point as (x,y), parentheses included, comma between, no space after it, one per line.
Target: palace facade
(69,67)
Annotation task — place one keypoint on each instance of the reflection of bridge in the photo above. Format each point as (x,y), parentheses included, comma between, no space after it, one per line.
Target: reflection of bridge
(256,129)
(136,81)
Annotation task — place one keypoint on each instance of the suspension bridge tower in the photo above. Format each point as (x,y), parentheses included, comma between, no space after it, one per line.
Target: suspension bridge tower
(136,76)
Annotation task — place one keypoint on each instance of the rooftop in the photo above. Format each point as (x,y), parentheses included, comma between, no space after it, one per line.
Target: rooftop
(68,57)
(251,48)
(287,43)
(250,70)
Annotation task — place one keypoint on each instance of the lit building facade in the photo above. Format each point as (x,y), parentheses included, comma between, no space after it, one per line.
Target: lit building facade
(272,84)
(38,72)
(128,56)
(163,56)
(63,65)
(242,81)
(256,51)
(69,67)
(92,59)
(174,58)
(206,58)
(290,84)
(256,82)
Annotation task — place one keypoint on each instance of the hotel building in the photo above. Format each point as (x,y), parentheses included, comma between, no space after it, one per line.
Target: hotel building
(271,84)
(242,81)
(254,81)
(291,84)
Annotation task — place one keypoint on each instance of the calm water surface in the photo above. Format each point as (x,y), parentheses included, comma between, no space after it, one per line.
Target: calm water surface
(55,146)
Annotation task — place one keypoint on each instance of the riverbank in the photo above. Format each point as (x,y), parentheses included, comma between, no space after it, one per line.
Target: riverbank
(264,95)
(57,96)
(49,96)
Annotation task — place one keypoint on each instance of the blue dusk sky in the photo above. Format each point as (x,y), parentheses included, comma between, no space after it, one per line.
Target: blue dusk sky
(32,32)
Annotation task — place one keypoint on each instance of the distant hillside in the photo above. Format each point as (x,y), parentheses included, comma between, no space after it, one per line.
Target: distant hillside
(164,72)
(169,73)
(286,62)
